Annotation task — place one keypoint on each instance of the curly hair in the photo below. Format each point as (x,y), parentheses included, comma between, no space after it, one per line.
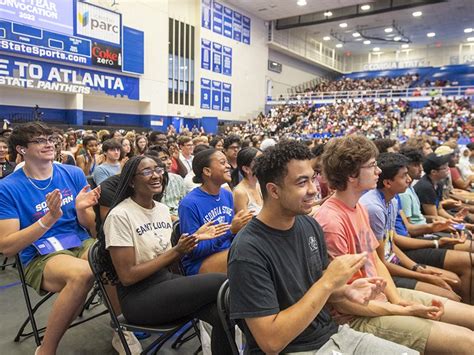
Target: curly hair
(383,144)
(271,166)
(23,134)
(390,164)
(343,157)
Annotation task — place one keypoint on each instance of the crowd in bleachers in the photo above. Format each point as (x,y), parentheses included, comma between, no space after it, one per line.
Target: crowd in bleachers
(361,85)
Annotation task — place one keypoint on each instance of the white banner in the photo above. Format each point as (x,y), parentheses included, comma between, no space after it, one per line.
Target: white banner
(96,22)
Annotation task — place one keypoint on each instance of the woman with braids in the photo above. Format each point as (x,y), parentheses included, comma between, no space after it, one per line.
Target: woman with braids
(247,193)
(137,234)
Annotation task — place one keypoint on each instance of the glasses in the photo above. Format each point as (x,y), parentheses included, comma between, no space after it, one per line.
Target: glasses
(234,147)
(44,141)
(370,166)
(149,172)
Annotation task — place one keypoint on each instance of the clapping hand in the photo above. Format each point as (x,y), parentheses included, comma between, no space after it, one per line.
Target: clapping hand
(86,199)
(54,200)
(240,219)
(363,290)
(210,230)
(186,244)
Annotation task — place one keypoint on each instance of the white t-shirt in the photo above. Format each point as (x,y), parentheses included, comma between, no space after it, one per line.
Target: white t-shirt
(147,230)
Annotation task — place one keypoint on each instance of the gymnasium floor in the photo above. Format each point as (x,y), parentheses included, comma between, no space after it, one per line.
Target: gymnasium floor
(90,338)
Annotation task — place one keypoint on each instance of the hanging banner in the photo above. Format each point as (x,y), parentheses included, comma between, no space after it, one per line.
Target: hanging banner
(32,74)
(217,18)
(216,95)
(227,22)
(216,58)
(106,56)
(237,26)
(205,94)
(226,97)
(52,15)
(206,14)
(245,30)
(205,54)
(98,23)
(227,61)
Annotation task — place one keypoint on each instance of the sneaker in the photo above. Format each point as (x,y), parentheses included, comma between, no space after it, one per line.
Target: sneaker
(132,341)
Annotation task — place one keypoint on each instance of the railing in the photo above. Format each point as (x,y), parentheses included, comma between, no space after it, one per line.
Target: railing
(424,92)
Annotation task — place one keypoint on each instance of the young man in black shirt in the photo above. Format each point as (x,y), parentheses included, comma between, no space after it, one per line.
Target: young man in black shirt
(279,273)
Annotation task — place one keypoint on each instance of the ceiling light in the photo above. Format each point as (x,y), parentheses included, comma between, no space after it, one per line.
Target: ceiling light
(417,14)
(343,25)
(365,7)
(397,38)
(339,45)
(328,14)
(470,39)
(405,46)
(358,39)
(367,42)
(468,30)
(301,3)
(376,49)
(356,34)
(430,34)
(388,30)
(326,38)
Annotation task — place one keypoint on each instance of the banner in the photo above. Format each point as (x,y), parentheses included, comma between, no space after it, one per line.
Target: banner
(106,56)
(205,94)
(206,14)
(216,57)
(205,54)
(216,95)
(227,22)
(31,74)
(226,97)
(52,15)
(245,30)
(98,23)
(227,61)
(237,26)
(217,18)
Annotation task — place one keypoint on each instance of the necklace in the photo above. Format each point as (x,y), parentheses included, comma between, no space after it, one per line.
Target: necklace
(36,186)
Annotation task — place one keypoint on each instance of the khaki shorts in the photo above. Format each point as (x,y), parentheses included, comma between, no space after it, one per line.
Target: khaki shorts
(34,270)
(412,332)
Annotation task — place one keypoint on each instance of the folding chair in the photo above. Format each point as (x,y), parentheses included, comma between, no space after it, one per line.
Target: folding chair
(119,323)
(223,310)
(5,263)
(32,310)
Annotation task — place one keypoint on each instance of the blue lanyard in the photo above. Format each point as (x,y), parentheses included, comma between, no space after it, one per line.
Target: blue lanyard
(388,211)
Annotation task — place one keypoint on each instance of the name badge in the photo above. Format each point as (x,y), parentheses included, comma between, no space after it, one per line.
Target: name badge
(58,243)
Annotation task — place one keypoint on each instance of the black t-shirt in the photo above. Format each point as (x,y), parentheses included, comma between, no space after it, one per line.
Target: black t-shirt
(7,168)
(270,270)
(108,188)
(427,193)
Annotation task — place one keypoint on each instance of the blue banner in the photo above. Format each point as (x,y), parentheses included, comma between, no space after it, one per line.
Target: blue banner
(227,61)
(205,54)
(205,94)
(246,30)
(32,74)
(237,27)
(227,22)
(206,14)
(52,15)
(31,41)
(217,18)
(226,97)
(216,57)
(216,95)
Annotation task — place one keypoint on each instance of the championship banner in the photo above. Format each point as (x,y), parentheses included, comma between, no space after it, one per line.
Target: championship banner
(226,97)
(205,94)
(31,74)
(216,95)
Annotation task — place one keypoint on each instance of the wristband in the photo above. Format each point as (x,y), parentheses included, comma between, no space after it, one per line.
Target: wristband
(42,225)
(436,244)
(415,267)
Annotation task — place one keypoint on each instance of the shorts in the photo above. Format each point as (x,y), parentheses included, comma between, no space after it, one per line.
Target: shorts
(404,282)
(34,270)
(410,331)
(429,256)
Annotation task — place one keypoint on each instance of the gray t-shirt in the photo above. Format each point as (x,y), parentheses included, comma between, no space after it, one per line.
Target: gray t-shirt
(270,270)
(104,171)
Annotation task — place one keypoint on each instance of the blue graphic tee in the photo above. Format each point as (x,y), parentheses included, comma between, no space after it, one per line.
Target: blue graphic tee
(197,208)
(20,199)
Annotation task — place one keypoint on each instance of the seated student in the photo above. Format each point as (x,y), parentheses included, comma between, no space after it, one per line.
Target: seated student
(6,167)
(382,208)
(279,274)
(90,159)
(207,203)
(247,194)
(137,234)
(42,201)
(111,166)
(418,320)
(459,182)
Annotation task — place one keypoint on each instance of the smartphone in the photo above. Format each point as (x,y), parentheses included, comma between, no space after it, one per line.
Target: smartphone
(459,226)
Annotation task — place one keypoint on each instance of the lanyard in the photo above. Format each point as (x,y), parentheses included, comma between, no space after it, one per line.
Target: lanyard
(389,225)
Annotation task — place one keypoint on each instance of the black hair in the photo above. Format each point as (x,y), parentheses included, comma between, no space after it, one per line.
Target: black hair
(470,146)
(317,150)
(383,144)
(111,144)
(23,134)
(88,139)
(124,191)
(154,135)
(244,158)
(200,148)
(231,139)
(159,149)
(271,166)
(390,164)
(414,156)
(214,141)
(200,161)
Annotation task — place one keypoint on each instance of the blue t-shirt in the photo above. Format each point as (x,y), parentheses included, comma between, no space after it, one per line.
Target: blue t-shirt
(20,199)
(400,227)
(197,208)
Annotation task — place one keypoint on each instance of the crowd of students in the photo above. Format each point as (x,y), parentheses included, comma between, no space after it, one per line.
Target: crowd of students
(289,221)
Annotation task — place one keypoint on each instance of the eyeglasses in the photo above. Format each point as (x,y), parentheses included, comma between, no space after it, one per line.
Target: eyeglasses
(149,172)
(44,141)
(370,166)
(234,147)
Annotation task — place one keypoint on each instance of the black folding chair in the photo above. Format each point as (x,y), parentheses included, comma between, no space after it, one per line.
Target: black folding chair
(119,323)
(37,333)
(223,310)
(5,263)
